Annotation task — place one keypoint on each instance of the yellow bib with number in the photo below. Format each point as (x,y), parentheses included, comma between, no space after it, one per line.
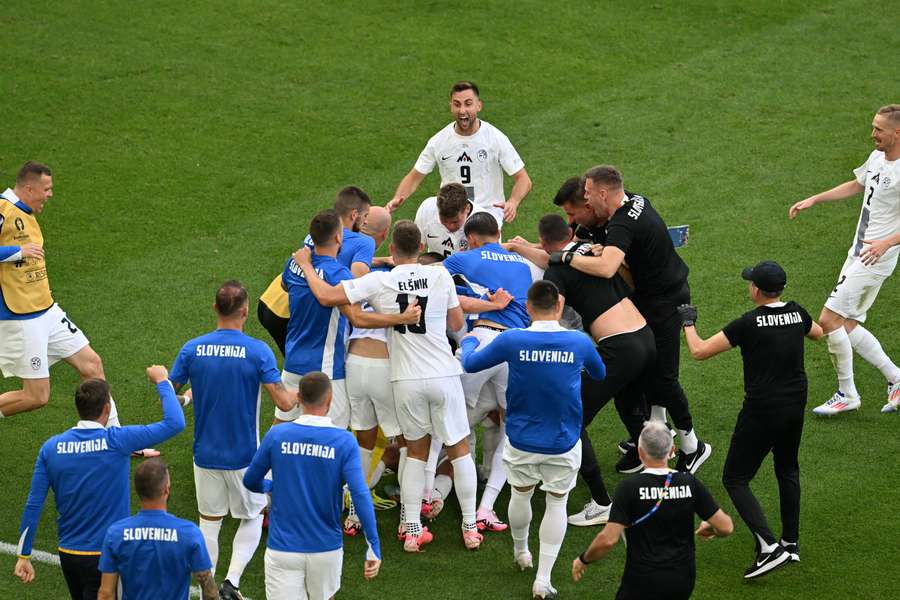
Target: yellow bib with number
(277,299)
(24,283)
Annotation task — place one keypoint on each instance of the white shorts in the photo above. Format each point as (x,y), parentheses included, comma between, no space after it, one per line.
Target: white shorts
(556,473)
(29,347)
(496,377)
(371,395)
(433,406)
(855,291)
(303,575)
(339,413)
(487,401)
(220,492)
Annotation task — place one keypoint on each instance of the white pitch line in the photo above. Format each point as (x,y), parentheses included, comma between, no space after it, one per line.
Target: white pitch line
(53,559)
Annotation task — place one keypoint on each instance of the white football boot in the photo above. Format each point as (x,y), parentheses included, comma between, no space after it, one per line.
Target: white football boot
(893,398)
(837,404)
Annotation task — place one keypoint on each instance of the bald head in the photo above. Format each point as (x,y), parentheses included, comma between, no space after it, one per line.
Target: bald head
(378,223)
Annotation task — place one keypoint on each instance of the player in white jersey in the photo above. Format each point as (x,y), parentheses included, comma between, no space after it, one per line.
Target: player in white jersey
(425,375)
(870,261)
(474,153)
(441,218)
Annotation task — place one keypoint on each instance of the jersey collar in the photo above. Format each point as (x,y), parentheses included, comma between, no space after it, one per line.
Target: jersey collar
(546,326)
(658,471)
(314,421)
(88,425)
(10,195)
(774,304)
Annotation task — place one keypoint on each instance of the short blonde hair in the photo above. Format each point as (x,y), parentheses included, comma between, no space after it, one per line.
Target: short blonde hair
(892,112)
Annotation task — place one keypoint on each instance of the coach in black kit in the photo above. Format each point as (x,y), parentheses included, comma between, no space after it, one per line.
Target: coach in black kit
(637,236)
(771,420)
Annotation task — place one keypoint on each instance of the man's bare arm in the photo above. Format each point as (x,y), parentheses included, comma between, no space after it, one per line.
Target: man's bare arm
(208,589)
(606,265)
(521,187)
(283,398)
(109,583)
(536,255)
(365,319)
(839,192)
(408,186)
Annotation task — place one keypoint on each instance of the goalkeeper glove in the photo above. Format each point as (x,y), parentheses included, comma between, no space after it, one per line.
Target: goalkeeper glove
(561,258)
(688,314)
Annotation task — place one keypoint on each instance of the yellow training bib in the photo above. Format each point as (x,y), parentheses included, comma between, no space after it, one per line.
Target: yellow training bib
(277,299)
(24,283)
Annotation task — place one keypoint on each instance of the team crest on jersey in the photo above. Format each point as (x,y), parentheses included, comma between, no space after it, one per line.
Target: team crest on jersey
(463,244)
(886,182)
(36,363)
(464,157)
(20,225)
(482,155)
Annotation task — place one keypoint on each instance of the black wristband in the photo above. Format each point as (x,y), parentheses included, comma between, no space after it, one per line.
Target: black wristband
(583,559)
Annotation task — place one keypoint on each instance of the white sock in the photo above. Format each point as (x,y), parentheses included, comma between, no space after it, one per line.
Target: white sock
(519,518)
(688,441)
(442,486)
(401,464)
(490,441)
(841,351)
(113,420)
(763,546)
(868,346)
(497,479)
(552,532)
(466,481)
(658,413)
(245,542)
(365,459)
(377,472)
(431,467)
(411,491)
(210,531)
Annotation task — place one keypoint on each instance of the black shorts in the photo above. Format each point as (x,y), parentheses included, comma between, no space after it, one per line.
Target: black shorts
(82,574)
(660,585)
(275,325)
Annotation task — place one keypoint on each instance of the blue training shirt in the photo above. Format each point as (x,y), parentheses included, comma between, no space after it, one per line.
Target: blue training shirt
(154,554)
(310,460)
(315,333)
(492,267)
(225,369)
(543,398)
(355,247)
(88,469)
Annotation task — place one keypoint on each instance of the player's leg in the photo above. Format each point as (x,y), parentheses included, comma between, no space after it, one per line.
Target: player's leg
(212,504)
(411,397)
(247,507)
(448,414)
(339,413)
(285,574)
(485,517)
(558,476)
(443,484)
(594,396)
(23,354)
(364,423)
(81,574)
(35,394)
(785,454)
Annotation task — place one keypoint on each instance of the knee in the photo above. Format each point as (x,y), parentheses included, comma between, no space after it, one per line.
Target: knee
(830,320)
(92,367)
(731,482)
(39,397)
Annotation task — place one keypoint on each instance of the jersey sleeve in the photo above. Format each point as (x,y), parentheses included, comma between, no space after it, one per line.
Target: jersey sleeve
(618,513)
(108,552)
(618,234)
(180,368)
(10,253)
(734,331)
(259,466)
(198,556)
(135,437)
(806,318)
(593,364)
(492,354)
(359,492)
(509,159)
(423,216)
(365,251)
(40,485)
(704,505)
(268,368)
(362,288)
(454,263)
(427,158)
(860,172)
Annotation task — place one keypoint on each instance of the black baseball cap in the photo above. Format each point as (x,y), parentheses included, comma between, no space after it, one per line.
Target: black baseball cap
(767,276)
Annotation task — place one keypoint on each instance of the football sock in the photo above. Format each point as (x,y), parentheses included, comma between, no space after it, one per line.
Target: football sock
(868,346)
(411,491)
(431,467)
(466,481)
(377,472)
(764,546)
(841,351)
(351,508)
(365,459)
(245,542)
(442,486)
(552,532)
(210,531)
(497,479)
(658,413)
(401,465)
(688,441)
(490,442)
(519,518)
(113,420)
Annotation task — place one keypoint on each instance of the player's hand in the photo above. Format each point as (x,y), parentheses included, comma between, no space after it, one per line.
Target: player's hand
(688,314)
(596,249)
(303,257)
(501,298)
(874,250)
(32,250)
(412,314)
(394,203)
(578,569)
(520,240)
(157,373)
(370,571)
(186,398)
(510,209)
(561,258)
(24,570)
(802,205)
(706,531)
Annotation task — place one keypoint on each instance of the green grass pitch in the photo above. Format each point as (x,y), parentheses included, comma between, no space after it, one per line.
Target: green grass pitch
(191,142)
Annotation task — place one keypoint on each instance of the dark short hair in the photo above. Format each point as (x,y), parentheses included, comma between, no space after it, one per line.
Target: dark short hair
(553,228)
(323,227)
(231,297)
(430,258)
(482,224)
(90,398)
(150,479)
(461,86)
(314,388)
(452,200)
(406,238)
(32,170)
(543,295)
(571,191)
(349,199)
(605,175)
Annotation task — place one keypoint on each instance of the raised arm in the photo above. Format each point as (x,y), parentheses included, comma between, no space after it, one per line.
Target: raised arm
(605,265)
(496,301)
(408,186)
(135,437)
(364,319)
(840,192)
(536,255)
(700,349)
(325,293)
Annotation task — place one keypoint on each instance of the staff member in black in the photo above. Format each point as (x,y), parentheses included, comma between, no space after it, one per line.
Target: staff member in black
(637,235)
(655,511)
(771,420)
(624,341)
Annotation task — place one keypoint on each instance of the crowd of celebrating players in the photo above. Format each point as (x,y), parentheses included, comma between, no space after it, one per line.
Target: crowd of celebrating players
(455,330)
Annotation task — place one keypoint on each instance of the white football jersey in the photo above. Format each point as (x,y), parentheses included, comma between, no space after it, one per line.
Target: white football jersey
(419,351)
(436,237)
(880,214)
(477,161)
